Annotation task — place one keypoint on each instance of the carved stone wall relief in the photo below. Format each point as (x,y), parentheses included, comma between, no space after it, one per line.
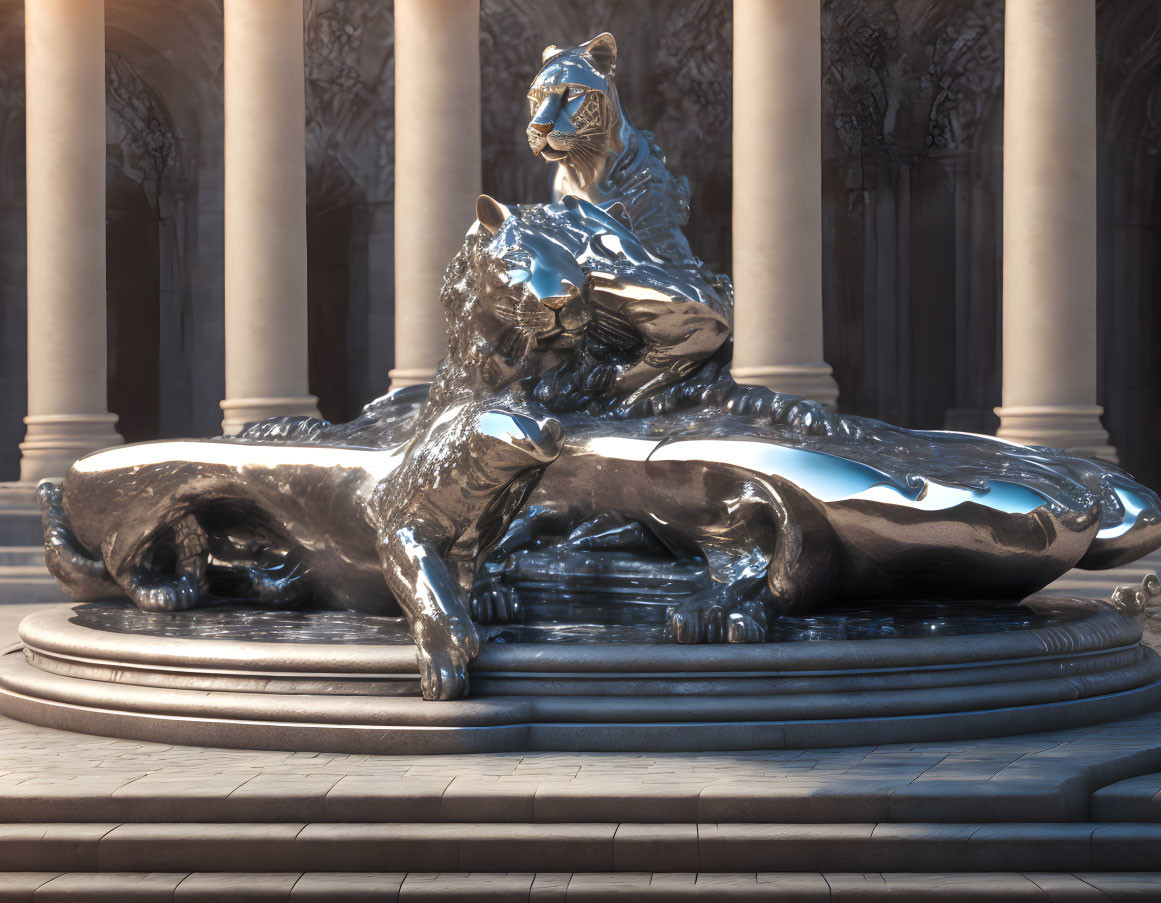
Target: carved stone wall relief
(350,113)
(1129,227)
(911,94)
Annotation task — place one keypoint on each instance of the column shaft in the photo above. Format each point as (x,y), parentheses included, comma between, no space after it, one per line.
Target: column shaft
(265,213)
(1050,242)
(437,168)
(68,412)
(777,201)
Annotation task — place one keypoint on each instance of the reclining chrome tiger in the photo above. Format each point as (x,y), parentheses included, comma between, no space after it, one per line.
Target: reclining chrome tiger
(581,383)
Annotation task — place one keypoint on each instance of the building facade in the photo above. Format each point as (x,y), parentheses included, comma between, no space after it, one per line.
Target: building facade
(883,257)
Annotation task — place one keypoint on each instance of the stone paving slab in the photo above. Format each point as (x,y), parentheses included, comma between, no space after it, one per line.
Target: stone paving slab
(625,848)
(383,887)
(50,775)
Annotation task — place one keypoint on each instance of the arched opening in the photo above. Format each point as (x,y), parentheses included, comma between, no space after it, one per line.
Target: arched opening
(133,283)
(333,199)
(328,241)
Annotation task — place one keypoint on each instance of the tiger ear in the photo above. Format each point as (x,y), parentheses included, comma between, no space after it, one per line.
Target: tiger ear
(550,51)
(602,50)
(491,213)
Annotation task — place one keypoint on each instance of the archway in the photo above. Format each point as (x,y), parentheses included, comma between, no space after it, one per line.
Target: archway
(328,241)
(133,282)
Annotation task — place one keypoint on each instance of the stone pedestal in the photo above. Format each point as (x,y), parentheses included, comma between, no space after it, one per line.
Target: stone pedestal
(265,199)
(1050,242)
(345,682)
(437,166)
(778,198)
(68,412)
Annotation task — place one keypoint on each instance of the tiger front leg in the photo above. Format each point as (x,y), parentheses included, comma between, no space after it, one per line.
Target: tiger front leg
(445,638)
(464,480)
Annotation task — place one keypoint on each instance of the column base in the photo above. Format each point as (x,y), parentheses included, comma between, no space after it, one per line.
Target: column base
(1074,428)
(409,376)
(54,441)
(239,413)
(813,381)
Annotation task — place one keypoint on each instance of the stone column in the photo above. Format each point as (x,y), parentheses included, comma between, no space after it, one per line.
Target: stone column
(778,198)
(437,168)
(265,200)
(68,413)
(1050,242)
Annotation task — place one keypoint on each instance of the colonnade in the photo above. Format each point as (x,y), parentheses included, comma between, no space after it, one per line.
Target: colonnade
(1049,381)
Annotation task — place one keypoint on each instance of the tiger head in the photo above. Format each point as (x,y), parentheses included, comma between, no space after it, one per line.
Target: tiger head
(512,295)
(576,114)
(546,285)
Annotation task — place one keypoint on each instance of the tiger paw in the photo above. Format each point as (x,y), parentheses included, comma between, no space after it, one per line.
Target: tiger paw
(714,618)
(175,594)
(493,603)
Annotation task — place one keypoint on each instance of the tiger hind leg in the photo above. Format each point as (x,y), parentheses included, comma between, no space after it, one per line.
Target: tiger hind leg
(165,570)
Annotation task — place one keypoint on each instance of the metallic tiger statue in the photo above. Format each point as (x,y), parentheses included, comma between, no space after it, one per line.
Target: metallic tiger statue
(584,421)
(579,125)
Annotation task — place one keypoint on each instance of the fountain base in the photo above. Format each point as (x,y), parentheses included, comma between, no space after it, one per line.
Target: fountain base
(234,676)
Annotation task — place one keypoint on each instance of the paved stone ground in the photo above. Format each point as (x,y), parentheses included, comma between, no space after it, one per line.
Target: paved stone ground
(50,775)
(605,887)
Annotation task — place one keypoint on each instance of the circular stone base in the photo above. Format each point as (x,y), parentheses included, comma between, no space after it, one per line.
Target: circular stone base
(345,682)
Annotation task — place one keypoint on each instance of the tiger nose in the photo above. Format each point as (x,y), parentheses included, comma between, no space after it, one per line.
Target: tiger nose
(544,118)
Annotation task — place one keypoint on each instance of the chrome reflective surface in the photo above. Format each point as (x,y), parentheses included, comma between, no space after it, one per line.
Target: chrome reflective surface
(579,125)
(584,442)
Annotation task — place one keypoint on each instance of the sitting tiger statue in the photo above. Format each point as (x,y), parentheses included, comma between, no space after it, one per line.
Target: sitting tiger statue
(578,123)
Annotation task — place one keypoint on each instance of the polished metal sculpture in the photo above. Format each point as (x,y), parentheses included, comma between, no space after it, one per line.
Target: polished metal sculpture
(584,429)
(579,125)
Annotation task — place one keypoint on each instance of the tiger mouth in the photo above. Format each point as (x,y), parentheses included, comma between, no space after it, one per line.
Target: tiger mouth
(553,156)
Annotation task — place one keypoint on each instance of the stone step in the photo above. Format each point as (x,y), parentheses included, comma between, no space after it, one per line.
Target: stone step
(24,578)
(465,847)
(19,515)
(1134,799)
(561,887)
(23,557)
(964,796)
(21,586)
(31,572)
(20,527)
